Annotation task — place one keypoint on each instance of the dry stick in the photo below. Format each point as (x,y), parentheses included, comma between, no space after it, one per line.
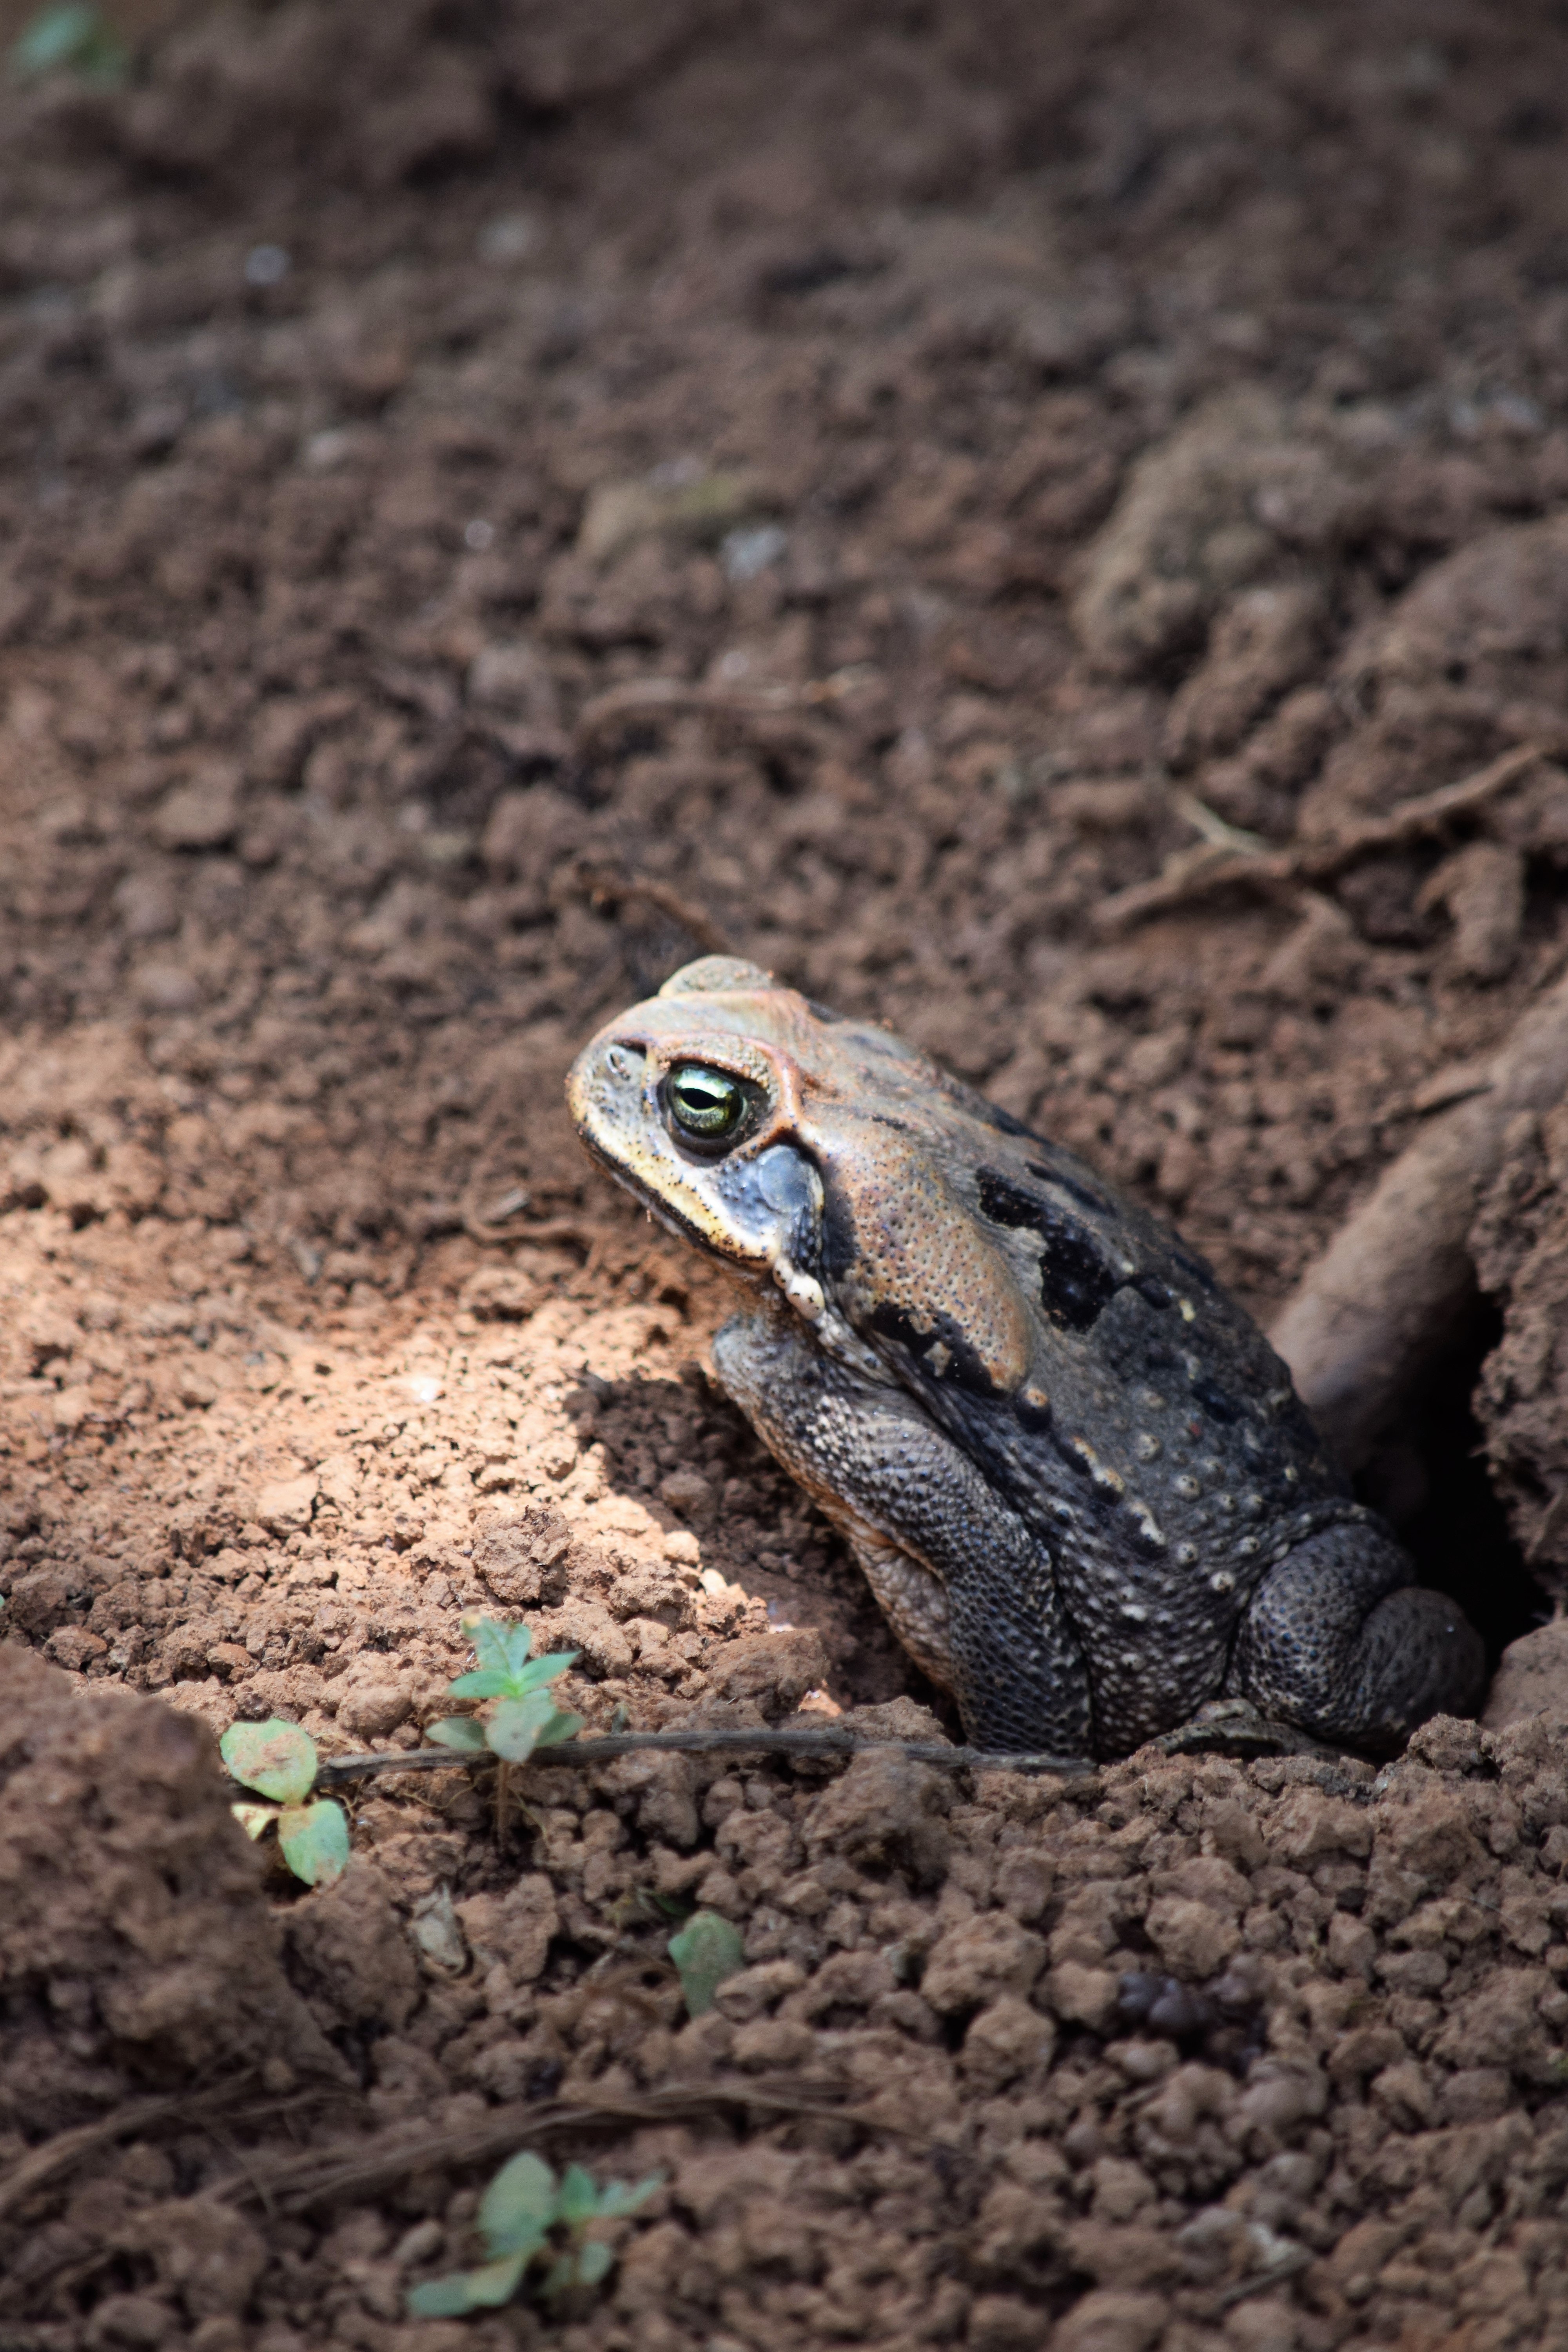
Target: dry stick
(359,2167)
(1412,818)
(1195,871)
(1299,2258)
(46,2163)
(724,1740)
(1366,1320)
(602,884)
(1216,864)
(554,1229)
(66,2149)
(674,698)
(501,1224)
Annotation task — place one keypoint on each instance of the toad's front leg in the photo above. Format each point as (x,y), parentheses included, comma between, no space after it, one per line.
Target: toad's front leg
(968,1590)
(1339,1642)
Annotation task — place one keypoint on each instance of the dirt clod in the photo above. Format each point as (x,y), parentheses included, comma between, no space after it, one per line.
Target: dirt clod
(133,1908)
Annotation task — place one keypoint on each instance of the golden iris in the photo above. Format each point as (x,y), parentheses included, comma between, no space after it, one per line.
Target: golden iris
(705,1103)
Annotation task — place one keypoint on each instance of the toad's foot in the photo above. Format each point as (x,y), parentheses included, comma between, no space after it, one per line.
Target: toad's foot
(1235,1728)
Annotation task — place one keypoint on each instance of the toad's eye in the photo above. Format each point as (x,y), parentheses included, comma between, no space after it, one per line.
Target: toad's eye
(705,1104)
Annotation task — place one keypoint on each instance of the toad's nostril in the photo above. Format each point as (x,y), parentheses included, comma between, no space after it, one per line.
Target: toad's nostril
(622,1060)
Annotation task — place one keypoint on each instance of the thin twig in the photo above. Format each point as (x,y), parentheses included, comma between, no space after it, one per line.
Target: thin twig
(1216,829)
(1223,855)
(604,886)
(357,2167)
(724,1740)
(66,2149)
(674,698)
(1299,2258)
(60,2154)
(240,2158)
(1427,813)
(1196,872)
(545,1234)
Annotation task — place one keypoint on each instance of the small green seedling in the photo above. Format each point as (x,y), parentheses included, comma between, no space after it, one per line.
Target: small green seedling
(526,1716)
(520,2209)
(279,1760)
(707,1950)
(72,38)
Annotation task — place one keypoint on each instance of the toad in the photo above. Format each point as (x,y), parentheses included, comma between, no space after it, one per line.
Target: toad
(1073,1471)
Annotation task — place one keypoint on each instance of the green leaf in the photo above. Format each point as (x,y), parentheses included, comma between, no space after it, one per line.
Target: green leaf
(519,1726)
(275,1757)
(593,2261)
(254,1819)
(619,2197)
(492,1683)
(479,2290)
(540,1671)
(707,1950)
(505,1669)
(74,37)
(514,1730)
(464,1731)
(519,2206)
(443,2298)
(500,1648)
(54,37)
(578,2200)
(315,1841)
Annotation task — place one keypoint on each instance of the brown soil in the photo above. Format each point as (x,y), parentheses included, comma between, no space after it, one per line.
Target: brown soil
(831,483)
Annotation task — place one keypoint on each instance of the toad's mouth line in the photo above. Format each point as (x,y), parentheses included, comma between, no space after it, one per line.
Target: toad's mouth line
(684,1229)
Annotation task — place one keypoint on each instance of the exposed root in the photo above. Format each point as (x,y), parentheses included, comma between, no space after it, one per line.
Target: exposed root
(1368,1318)
(1226,857)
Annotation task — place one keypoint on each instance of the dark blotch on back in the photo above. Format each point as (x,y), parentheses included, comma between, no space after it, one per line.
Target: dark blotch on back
(1076,1283)
(964,1369)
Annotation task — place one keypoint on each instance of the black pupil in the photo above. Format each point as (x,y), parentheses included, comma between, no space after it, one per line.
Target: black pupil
(705,1102)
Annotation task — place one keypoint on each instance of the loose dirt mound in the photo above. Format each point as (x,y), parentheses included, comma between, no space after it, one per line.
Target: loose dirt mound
(137,1944)
(831,483)
(1521,1255)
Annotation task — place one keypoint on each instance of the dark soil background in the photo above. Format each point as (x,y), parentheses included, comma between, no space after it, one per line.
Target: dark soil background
(492,503)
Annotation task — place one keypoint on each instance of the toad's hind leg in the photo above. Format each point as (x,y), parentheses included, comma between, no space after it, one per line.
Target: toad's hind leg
(967,1589)
(1339,1642)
